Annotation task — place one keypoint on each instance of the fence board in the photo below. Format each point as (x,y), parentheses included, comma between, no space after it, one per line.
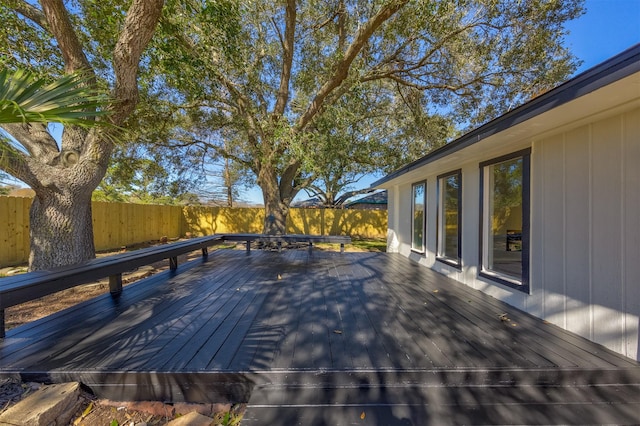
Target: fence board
(4,230)
(14,230)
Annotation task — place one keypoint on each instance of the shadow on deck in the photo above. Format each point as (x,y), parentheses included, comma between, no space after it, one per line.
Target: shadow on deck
(371,336)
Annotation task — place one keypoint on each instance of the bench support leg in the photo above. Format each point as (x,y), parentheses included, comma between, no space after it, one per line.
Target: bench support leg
(115,285)
(1,323)
(279,246)
(205,252)
(310,247)
(248,246)
(341,247)
(173,263)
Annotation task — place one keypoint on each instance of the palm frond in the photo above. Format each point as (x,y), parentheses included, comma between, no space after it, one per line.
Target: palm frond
(25,98)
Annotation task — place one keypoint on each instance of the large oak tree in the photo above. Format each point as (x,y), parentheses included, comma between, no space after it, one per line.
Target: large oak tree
(376,71)
(50,40)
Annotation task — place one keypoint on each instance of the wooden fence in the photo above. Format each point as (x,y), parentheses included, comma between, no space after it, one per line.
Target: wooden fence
(121,224)
(14,230)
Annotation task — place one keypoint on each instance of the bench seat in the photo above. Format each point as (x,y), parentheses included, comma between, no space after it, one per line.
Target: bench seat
(23,288)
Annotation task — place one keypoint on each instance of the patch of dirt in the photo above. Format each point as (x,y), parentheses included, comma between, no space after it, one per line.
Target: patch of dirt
(102,412)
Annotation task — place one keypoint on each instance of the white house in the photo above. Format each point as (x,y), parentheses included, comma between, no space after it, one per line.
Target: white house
(540,207)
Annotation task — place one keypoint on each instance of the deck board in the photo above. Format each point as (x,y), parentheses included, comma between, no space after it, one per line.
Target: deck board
(489,337)
(235,321)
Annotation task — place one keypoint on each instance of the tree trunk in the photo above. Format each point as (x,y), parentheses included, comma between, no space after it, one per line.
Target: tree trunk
(275,215)
(276,210)
(61,229)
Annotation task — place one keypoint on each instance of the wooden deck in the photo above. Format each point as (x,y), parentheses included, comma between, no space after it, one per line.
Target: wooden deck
(367,332)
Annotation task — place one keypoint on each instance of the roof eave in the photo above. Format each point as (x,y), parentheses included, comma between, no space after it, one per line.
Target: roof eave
(607,72)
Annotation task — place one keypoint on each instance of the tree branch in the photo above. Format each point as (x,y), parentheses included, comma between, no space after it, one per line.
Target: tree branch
(29,12)
(15,163)
(139,26)
(35,138)
(60,25)
(305,183)
(394,68)
(218,150)
(287,59)
(344,197)
(242,103)
(342,69)
(287,184)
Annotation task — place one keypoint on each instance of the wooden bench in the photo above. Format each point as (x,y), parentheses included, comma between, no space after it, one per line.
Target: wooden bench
(289,238)
(33,285)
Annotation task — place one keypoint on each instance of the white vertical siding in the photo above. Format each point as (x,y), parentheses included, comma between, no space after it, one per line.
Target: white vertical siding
(606,230)
(470,219)
(432,220)
(552,278)
(393,220)
(577,199)
(589,230)
(405,213)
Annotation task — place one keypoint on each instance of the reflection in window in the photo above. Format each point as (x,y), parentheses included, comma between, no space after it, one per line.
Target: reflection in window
(449,212)
(505,218)
(418,209)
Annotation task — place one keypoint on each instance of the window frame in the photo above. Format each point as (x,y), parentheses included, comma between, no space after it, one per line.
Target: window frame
(423,249)
(455,262)
(504,279)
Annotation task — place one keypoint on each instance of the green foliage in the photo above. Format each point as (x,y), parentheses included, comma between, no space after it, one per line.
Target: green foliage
(27,46)
(138,176)
(429,71)
(24,98)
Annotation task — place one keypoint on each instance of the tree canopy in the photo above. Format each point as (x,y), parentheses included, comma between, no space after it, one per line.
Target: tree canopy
(296,92)
(300,90)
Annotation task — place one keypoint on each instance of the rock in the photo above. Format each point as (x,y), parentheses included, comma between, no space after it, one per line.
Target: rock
(49,405)
(191,419)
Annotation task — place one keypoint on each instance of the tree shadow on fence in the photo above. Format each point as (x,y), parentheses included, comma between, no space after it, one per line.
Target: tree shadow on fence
(355,223)
(211,220)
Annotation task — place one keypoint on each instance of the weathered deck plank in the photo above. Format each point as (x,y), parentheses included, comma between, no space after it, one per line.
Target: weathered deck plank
(418,304)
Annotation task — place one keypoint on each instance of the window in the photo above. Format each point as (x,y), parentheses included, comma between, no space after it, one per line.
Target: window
(418,217)
(449,217)
(504,207)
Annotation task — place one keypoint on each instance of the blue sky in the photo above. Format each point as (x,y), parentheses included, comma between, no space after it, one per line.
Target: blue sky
(607,28)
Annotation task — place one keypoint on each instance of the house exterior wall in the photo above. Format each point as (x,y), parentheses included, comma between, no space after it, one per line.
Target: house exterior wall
(585,227)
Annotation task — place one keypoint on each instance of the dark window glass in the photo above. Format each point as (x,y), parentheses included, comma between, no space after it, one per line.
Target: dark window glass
(418,213)
(449,237)
(503,253)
